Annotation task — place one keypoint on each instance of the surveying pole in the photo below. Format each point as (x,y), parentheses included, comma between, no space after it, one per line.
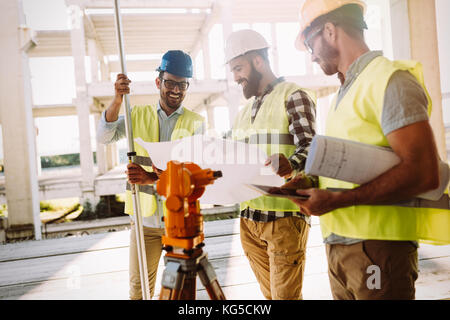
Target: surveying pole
(131,155)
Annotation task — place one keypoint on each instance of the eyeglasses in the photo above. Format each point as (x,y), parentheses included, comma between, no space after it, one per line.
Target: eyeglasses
(308,41)
(170,84)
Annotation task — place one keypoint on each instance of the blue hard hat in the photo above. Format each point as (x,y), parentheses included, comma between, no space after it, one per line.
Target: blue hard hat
(177,63)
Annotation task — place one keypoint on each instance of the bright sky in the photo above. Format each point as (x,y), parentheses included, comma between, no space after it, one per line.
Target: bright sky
(53,78)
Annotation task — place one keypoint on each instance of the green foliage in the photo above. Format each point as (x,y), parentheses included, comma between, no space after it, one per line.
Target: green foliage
(87,213)
(66,205)
(62,160)
(3,210)
(46,206)
(108,206)
(221,216)
(70,209)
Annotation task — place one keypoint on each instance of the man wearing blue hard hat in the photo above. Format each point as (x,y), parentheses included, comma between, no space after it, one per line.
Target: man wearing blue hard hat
(165,121)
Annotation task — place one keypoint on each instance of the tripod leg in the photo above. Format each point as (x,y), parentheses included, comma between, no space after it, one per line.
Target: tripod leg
(209,280)
(178,284)
(189,286)
(172,282)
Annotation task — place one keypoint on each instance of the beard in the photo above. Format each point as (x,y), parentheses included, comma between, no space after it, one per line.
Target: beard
(253,80)
(172,103)
(327,56)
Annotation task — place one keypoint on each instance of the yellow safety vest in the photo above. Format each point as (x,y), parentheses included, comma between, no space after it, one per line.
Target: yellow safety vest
(270,131)
(358,118)
(146,126)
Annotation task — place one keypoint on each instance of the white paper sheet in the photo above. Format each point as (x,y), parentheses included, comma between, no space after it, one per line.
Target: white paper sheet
(359,163)
(240,163)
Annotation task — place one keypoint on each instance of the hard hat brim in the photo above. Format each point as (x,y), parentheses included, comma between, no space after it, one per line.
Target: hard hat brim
(241,55)
(182,75)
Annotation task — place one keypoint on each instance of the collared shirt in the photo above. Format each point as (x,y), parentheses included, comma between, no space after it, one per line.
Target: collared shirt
(108,132)
(354,70)
(167,123)
(300,109)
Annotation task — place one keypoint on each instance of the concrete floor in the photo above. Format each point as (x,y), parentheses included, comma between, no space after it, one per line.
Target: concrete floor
(96,267)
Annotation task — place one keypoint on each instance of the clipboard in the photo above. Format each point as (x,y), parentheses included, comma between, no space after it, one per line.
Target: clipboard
(277,192)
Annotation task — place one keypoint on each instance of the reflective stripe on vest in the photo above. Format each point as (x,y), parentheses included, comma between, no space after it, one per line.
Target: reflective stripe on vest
(357,117)
(143,161)
(147,189)
(442,203)
(270,131)
(272,138)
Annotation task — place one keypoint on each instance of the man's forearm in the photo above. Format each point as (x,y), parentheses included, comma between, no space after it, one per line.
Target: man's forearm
(301,117)
(112,113)
(418,171)
(395,185)
(298,159)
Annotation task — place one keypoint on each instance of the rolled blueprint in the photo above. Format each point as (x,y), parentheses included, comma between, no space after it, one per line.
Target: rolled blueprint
(359,163)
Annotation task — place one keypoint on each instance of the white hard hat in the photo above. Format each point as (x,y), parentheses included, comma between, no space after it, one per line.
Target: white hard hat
(242,41)
(310,10)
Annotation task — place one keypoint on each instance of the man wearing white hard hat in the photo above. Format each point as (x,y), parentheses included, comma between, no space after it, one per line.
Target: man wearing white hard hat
(371,236)
(280,119)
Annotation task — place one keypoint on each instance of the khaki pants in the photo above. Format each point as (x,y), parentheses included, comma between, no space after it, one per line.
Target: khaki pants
(373,269)
(153,249)
(276,252)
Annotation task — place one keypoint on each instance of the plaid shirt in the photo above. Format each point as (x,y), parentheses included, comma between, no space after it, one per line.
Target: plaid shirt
(301,114)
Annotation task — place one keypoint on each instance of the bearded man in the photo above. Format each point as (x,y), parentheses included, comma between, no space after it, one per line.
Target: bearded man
(280,119)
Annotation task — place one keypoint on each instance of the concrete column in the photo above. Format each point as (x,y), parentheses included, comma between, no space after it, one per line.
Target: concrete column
(101,151)
(274,49)
(38,157)
(112,156)
(104,70)
(233,94)
(227,29)
(206,57)
(93,55)
(414,36)
(233,97)
(100,148)
(401,43)
(424,48)
(227,19)
(82,103)
(21,182)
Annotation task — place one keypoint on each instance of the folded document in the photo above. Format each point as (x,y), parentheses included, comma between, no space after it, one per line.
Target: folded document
(359,163)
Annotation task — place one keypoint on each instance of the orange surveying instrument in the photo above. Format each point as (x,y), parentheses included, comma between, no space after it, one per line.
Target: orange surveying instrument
(183,183)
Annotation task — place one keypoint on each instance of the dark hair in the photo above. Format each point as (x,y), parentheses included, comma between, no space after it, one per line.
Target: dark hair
(349,17)
(161,74)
